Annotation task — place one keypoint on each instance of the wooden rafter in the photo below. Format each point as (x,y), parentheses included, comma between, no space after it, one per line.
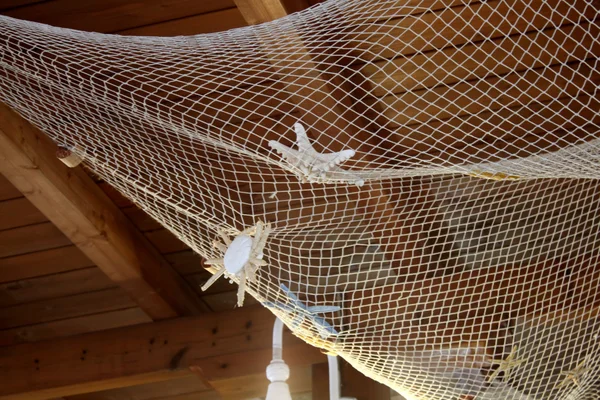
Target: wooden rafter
(78,207)
(328,110)
(219,345)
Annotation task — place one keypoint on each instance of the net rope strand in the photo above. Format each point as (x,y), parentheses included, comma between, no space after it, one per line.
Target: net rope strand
(412,185)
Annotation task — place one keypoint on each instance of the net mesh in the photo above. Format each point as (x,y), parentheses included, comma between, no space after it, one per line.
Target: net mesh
(411,185)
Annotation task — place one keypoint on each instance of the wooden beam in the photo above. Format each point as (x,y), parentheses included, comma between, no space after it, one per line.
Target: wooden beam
(77,206)
(357,385)
(319,96)
(320,381)
(260,11)
(219,345)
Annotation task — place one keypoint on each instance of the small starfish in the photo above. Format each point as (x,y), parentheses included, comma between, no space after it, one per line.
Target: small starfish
(325,329)
(506,365)
(574,375)
(314,165)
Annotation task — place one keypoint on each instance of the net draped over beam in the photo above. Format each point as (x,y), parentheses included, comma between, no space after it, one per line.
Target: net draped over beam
(412,185)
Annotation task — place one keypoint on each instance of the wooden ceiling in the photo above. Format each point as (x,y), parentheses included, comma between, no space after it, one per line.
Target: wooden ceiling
(50,288)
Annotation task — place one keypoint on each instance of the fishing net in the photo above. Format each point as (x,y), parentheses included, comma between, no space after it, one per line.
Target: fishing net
(412,185)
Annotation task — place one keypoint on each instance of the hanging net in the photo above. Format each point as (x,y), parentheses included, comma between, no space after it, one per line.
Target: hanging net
(412,184)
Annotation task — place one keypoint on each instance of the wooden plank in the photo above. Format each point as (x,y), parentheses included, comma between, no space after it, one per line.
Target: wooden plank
(7,190)
(451,140)
(53,261)
(73,326)
(75,204)
(515,89)
(52,286)
(488,58)
(320,381)
(117,394)
(115,195)
(320,97)
(19,212)
(222,345)
(217,21)
(8,4)
(361,387)
(114,15)
(204,395)
(64,307)
(186,262)
(31,238)
(165,241)
(141,219)
(260,11)
(171,388)
(429,31)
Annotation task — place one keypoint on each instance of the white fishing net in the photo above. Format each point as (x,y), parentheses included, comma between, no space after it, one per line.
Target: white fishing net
(412,185)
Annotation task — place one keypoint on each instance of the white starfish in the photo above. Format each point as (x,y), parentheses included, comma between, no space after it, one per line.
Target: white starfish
(315,166)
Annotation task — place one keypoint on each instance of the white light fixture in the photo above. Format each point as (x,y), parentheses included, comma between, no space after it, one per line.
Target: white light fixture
(278,372)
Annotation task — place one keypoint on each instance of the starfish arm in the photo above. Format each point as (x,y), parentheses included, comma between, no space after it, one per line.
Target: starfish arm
(219,246)
(286,152)
(302,138)
(225,238)
(213,279)
(258,262)
(293,297)
(258,236)
(494,375)
(214,261)
(241,289)
(323,309)
(334,159)
(324,327)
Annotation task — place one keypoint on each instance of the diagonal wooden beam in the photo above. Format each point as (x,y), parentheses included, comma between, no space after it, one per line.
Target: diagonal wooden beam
(77,206)
(319,96)
(218,345)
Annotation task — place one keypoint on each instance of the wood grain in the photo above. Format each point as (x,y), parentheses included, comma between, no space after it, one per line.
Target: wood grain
(53,286)
(75,204)
(31,238)
(114,15)
(64,307)
(39,263)
(19,212)
(73,326)
(223,345)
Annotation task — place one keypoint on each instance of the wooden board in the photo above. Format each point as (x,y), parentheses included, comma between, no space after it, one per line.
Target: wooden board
(73,326)
(53,286)
(19,212)
(7,190)
(511,90)
(32,238)
(65,307)
(406,36)
(488,58)
(223,345)
(175,387)
(39,263)
(192,25)
(75,204)
(114,15)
